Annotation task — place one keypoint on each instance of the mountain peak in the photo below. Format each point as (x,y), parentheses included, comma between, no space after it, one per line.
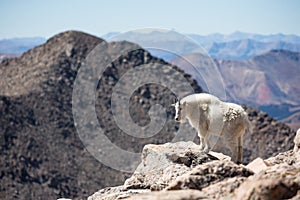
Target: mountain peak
(276,54)
(63,50)
(72,35)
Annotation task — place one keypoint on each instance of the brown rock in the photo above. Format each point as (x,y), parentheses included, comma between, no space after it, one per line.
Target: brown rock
(111,193)
(276,178)
(169,195)
(257,165)
(279,182)
(220,156)
(223,189)
(161,164)
(207,174)
(288,157)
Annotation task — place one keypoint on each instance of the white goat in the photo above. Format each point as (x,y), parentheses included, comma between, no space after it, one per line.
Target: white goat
(209,115)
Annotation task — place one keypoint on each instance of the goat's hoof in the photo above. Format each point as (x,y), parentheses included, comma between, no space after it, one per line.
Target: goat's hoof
(206,150)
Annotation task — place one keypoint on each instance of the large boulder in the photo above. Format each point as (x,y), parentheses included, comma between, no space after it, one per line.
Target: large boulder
(181,171)
(172,167)
(162,164)
(278,182)
(208,173)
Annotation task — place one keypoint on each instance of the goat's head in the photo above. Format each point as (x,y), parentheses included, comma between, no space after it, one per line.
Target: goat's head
(180,108)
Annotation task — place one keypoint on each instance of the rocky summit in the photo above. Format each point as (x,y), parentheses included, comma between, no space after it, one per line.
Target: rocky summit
(180,171)
(42,155)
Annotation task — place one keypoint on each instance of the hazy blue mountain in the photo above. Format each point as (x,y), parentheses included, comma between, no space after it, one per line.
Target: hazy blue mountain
(20,45)
(218,38)
(237,45)
(109,35)
(164,44)
(243,49)
(207,39)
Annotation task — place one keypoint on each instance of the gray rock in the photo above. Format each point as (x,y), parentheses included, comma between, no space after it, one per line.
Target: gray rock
(209,173)
(288,157)
(257,165)
(278,182)
(181,171)
(161,164)
(118,192)
(167,195)
(223,189)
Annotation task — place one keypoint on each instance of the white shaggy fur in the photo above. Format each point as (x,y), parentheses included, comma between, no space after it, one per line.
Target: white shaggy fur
(211,116)
(297,141)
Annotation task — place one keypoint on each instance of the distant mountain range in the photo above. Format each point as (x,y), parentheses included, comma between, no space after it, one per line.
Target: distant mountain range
(19,45)
(246,48)
(221,38)
(235,46)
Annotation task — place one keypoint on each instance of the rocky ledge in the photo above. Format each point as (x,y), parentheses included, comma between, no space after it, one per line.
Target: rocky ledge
(180,171)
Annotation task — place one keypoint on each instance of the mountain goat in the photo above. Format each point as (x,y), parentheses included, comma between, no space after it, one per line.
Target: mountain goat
(211,116)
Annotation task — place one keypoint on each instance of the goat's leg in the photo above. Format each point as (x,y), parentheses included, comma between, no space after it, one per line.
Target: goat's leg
(233,144)
(240,149)
(202,142)
(207,145)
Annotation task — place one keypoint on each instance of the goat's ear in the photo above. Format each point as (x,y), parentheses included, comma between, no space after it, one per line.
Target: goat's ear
(204,107)
(173,104)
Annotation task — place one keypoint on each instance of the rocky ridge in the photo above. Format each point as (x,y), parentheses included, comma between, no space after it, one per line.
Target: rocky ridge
(180,171)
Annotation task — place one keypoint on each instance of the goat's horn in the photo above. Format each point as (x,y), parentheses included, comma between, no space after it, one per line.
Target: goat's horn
(176,99)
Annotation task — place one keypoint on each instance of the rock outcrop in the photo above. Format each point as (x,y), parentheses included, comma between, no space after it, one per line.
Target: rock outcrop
(162,164)
(181,171)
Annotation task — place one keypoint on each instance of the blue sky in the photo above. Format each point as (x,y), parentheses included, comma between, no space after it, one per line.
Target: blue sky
(20,18)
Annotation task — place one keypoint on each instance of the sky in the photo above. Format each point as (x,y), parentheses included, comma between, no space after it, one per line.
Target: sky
(19,18)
